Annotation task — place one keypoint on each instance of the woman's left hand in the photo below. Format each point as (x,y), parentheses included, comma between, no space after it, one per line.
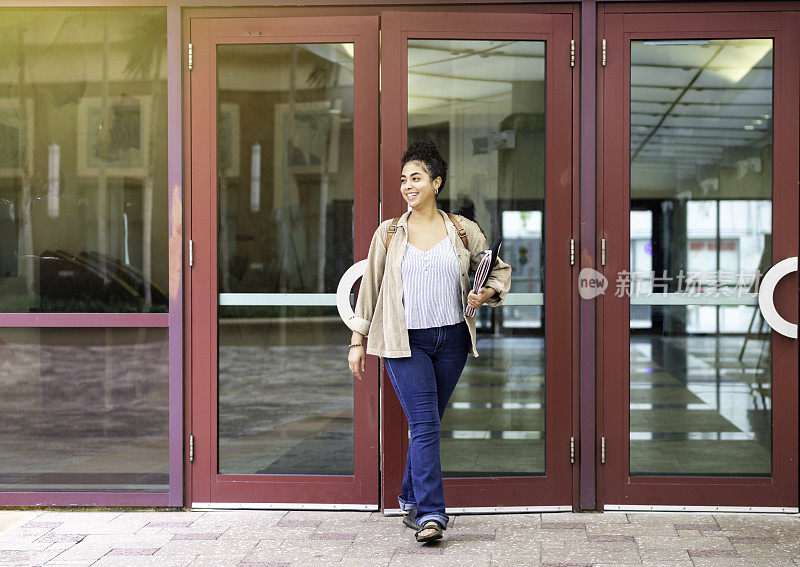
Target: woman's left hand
(477,299)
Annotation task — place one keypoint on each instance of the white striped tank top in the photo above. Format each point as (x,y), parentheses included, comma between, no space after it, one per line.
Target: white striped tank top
(431,286)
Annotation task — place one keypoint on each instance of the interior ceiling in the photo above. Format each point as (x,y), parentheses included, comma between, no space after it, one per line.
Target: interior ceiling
(696,108)
(468,72)
(696,105)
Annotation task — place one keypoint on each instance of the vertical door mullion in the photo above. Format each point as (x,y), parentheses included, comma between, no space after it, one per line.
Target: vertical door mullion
(203,295)
(612,196)
(786,226)
(559,280)
(587,412)
(394,63)
(366,195)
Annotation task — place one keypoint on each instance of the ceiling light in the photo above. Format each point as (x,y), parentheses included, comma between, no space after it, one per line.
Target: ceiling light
(738,60)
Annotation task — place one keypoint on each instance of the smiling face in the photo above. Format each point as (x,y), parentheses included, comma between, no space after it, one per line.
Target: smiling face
(417,187)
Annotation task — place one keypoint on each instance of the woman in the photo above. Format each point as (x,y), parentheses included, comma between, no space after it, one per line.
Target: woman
(411,305)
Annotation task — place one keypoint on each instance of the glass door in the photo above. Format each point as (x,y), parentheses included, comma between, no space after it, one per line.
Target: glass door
(494,92)
(699,185)
(284,197)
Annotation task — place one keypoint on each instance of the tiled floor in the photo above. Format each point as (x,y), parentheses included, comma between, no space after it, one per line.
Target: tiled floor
(276,538)
(698,405)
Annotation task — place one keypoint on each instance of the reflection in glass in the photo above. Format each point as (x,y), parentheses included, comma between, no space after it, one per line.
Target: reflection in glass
(285,222)
(285,398)
(483,104)
(641,262)
(285,190)
(83,160)
(84,409)
(700,227)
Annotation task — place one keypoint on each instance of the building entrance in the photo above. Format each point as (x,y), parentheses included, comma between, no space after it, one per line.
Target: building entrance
(699,193)
(298,123)
(284,128)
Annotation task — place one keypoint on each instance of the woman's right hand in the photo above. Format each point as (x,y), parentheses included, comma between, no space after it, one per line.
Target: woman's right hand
(357,360)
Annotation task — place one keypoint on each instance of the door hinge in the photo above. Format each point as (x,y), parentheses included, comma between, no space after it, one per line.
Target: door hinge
(572,53)
(603,450)
(191,58)
(191,253)
(603,251)
(191,448)
(572,450)
(571,251)
(604,53)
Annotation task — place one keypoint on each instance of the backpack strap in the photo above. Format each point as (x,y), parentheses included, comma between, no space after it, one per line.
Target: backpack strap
(459,229)
(390,231)
(461,232)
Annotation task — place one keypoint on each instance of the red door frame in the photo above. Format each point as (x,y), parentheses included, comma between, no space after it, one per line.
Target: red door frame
(555,488)
(206,485)
(619,25)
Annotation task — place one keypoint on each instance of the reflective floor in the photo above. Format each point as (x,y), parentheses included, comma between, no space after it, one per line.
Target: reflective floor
(494,424)
(285,396)
(290,421)
(84,409)
(697,408)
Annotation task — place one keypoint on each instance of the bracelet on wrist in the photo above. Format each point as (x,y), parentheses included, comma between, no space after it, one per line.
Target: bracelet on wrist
(356,344)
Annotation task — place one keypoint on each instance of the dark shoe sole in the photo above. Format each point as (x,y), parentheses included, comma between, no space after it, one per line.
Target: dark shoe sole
(410,519)
(436,535)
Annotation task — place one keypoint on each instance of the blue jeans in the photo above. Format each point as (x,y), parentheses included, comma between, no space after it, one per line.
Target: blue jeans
(423,383)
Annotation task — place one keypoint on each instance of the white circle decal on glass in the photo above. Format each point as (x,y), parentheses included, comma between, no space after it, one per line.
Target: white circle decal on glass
(766,300)
(349,278)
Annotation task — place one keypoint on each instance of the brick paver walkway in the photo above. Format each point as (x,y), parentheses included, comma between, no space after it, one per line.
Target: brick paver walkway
(284,539)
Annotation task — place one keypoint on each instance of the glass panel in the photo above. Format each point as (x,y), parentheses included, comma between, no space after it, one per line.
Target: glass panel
(641,263)
(701,227)
(84,409)
(483,104)
(285,399)
(83,160)
(285,183)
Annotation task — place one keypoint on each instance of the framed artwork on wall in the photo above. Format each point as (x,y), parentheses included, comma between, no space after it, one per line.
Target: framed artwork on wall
(16,143)
(117,136)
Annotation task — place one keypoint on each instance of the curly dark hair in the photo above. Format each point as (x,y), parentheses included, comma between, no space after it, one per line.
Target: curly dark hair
(425,151)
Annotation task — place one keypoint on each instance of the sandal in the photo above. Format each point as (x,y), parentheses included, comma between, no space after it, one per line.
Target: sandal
(434,530)
(410,518)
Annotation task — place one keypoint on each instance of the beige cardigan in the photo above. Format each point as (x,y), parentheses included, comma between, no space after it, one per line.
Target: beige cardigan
(379,311)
